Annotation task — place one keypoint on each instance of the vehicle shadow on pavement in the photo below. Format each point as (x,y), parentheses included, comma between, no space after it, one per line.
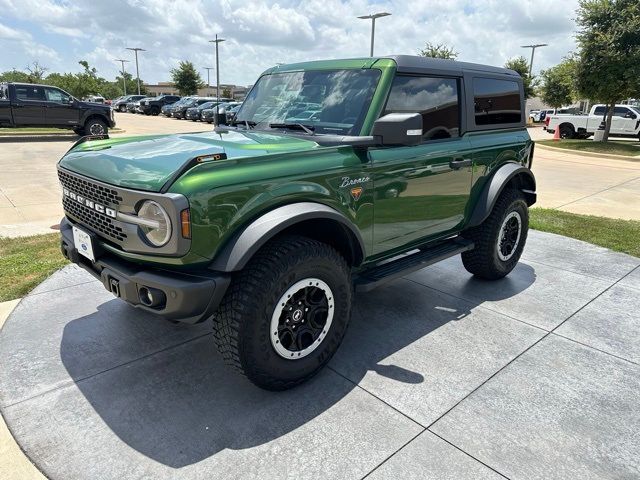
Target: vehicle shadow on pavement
(182,405)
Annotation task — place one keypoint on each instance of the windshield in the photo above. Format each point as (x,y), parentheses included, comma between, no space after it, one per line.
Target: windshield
(326,101)
(635,109)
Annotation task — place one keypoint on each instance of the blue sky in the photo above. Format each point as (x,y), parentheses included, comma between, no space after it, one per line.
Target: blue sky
(59,33)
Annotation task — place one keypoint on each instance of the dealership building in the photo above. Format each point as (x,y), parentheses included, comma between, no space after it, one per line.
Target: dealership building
(168,88)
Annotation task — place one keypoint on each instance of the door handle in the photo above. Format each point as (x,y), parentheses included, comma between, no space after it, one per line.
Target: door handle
(458,163)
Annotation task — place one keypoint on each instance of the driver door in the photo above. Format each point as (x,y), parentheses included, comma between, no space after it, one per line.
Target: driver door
(59,108)
(421,192)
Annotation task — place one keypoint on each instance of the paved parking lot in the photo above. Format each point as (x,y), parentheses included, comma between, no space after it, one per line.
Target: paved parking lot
(29,189)
(440,376)
(30,192)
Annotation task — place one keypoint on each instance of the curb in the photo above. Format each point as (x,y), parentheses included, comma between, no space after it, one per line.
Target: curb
(634,158)
(15,463)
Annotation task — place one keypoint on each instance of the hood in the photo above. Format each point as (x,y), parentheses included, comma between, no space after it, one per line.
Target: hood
(93,105)
(149,162)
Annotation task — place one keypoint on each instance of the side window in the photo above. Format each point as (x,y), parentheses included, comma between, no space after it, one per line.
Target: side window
(28,92)
(435,98)
(496,101)
(620,111)
(3,91)
(55,95)
(599,110)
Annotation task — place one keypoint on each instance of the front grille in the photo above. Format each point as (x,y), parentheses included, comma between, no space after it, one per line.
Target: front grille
(99,222)
(92,191)
(91,218)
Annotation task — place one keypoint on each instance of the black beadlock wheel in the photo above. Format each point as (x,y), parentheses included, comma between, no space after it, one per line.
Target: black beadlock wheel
(285,313)
(500,239)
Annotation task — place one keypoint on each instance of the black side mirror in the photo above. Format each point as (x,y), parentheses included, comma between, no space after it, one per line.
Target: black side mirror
(398,129)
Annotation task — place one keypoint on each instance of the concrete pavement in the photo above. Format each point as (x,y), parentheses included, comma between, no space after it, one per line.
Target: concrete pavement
(13,463)
(29,189)
(30,192)
(440,376)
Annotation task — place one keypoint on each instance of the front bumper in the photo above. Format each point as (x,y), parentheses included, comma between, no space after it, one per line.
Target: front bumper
(188,297)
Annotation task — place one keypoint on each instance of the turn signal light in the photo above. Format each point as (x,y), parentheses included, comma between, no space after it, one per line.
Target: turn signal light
(185,223)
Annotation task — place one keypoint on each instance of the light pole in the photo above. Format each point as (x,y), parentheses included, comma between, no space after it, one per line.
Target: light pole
(533,50)
(208,69)
(373,17)
(217,41)
(136,50)
(124,78)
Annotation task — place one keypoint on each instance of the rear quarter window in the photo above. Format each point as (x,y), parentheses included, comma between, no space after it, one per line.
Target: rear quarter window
(496,101)
(435,98)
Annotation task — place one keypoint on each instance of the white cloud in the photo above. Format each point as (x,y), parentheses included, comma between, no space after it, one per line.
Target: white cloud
(259,33)
(20,43)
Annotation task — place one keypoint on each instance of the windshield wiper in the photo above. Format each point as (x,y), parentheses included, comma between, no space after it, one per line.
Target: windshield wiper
(294,126)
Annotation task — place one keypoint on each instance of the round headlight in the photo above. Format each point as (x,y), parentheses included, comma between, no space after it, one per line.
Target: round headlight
(157,227)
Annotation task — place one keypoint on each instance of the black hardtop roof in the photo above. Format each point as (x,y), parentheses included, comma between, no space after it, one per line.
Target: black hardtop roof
(417,64)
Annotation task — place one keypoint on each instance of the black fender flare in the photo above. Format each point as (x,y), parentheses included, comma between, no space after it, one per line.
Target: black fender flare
(235,254)
(496,184)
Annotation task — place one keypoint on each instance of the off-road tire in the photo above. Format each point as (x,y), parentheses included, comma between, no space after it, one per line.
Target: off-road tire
(483,261)
(155,111)
(242,324)
(567,131)
(93,124)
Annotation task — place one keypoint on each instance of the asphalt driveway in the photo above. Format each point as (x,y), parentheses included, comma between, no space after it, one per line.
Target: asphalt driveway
(440,376)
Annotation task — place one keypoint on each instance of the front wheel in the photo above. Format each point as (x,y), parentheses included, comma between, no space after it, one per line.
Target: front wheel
(285,313)
(95,126)
(500,239)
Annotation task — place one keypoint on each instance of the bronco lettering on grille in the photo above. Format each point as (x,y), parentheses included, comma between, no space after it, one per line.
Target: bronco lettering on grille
(110,212)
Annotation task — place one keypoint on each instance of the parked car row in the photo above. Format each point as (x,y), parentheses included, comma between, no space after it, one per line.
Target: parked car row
(192,108)
(201,108)
(540,115)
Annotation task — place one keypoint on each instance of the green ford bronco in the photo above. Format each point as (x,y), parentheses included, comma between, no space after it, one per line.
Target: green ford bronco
(336,176)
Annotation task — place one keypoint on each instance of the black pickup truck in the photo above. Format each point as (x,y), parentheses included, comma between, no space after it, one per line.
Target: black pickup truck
(152,106)
(30,105)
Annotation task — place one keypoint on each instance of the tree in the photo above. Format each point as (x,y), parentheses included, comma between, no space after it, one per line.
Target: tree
(14,76)
(132,85)
(36,72)
(226,93)
(438,51)
(81,84)
(186,78)
(520,65)
(558,84)
(608,67)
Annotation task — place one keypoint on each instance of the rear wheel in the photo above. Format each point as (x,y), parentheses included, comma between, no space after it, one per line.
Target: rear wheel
(566,131)
(285,313)
(500,239)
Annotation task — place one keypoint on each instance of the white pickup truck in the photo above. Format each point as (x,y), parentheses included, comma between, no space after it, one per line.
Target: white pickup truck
(625,122)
